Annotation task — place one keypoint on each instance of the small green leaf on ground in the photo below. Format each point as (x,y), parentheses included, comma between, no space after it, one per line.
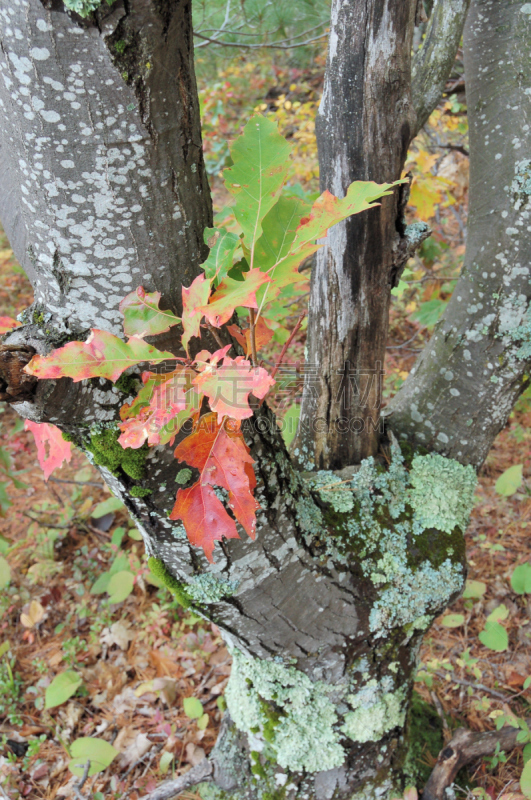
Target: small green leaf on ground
(452,620)
(203,721)
(193,708)
(521,579)
(5,573)
(99,752)
(474,589)
(525,779)
(494,636)
(120,586)
(62,688)
(500,613)
(510,480)
(165,761)
(108,506)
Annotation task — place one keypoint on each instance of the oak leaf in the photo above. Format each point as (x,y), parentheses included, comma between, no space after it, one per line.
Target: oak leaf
(220,454)
(162,398)
(195,296)
(142,315)
(230,294)
(263,335)
(229,385)
(59,451)
(103,355)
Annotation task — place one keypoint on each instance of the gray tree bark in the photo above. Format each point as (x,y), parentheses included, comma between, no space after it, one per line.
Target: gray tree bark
(325,611)
(462,388)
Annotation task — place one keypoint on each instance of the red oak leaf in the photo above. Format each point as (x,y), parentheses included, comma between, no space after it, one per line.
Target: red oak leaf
(231,293)
(219,452)
(103,355)
(193,298)
(7,324)
(58,450)
(229,385)
(204,517)
(263,335)
(162,398)
(142,315)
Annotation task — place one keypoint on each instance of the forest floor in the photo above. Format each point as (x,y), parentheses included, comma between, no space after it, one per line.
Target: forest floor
(137,660)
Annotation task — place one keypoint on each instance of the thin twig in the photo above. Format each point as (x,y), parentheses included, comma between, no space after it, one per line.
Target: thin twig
(479,686)
(78,483)
(77,787)
(214,333)
(198,774)
(252,326)
(258,46)
(289,341)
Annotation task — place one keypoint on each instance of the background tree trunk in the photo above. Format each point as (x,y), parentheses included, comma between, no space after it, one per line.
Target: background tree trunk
(460,392)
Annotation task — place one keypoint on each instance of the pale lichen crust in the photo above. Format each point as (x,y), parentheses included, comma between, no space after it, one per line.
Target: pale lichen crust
(387,514)
(85,7)
(303,724)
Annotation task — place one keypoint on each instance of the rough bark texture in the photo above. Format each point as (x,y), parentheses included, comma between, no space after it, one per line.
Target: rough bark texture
(103,186)
(324,613)
(365,124)
(480,349)
(433,62)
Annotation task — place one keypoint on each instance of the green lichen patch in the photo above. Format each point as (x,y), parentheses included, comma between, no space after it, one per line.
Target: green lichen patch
(522,335)
(208,588)
(178,589)
(375,714)
(298,715)
(442,493)
(392,520)
(85,7)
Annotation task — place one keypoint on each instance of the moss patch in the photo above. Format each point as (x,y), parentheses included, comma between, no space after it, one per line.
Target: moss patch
(109,453)
(177,588)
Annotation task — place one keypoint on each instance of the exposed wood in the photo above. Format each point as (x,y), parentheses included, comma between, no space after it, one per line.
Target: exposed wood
(199,774)
(464,747)
(365,124)
(15,384)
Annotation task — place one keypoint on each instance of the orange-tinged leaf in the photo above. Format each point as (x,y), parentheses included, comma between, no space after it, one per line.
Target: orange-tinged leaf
(204,517)
(58,450)
(219,452)
(263,335)
(161,399)
(142,315)
(230,294)
(329,210)
(7,324)
(194,297)
(229,385)
(103,355)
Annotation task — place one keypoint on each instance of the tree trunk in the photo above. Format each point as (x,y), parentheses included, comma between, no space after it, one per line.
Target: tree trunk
(324,613)
(365,124)
(370,112)
(461,390)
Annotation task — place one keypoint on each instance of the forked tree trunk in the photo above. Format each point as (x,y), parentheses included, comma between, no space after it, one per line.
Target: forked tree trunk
(324,613)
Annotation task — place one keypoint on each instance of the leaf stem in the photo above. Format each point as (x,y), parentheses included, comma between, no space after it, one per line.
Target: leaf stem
(252,325)
(214,333)
(287,344)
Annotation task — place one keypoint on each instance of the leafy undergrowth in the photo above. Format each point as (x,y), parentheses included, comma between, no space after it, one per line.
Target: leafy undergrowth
(146,676)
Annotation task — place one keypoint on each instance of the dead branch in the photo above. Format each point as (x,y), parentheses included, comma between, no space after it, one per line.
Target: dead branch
(465,747)
(198,774)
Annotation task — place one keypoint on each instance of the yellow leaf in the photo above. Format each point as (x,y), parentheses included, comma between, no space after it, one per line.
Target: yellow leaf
(33,616)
